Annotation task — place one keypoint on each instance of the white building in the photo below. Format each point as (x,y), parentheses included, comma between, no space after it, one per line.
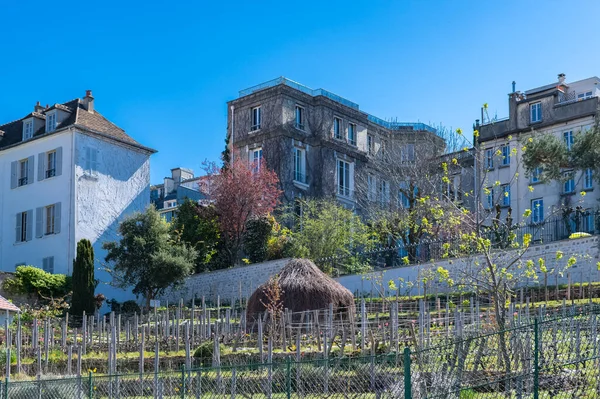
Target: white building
(561,109)
(67,173)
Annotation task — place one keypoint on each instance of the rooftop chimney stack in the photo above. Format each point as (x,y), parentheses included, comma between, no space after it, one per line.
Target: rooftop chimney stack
(38,107)
(514,86)
(561,78)
(88,101)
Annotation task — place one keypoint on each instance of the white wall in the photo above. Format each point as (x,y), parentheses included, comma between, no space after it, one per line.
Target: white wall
(120,189)
(31,196)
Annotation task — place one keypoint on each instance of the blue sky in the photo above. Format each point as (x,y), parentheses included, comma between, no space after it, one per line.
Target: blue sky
(164,70)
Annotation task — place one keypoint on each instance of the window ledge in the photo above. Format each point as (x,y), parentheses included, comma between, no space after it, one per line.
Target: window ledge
(344,197)
(504,206)
(535,183)
(299,184)
(536,122)
(20,243)
(567,194)
(504,166)
(587,190)
(254,131)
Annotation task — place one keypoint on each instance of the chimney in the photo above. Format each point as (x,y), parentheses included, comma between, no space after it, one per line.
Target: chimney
(514,86)
(38,107)
(88,101)
(561,78)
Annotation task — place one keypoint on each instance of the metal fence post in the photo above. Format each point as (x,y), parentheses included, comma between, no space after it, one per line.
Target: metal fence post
(6,388)
(182,381)
(536,365)
(91,386)
(407,379)
(289,378)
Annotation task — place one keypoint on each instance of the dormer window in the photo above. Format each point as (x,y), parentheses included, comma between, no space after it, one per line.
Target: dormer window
(27,129)
(50,122)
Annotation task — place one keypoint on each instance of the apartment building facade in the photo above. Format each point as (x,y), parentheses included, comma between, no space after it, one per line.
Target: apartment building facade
(561,109)
(322,145)
(181,185)
(67,173)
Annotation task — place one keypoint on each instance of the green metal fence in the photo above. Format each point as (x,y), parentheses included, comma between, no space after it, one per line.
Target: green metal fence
(551,358)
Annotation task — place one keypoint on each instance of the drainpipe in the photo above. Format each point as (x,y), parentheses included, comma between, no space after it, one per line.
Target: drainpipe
(232,132)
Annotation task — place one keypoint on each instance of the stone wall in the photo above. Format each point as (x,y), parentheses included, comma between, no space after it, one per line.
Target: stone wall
(228,284)
(243,280)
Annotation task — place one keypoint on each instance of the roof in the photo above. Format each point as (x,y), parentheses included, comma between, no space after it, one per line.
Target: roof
(6,305)
(78,116)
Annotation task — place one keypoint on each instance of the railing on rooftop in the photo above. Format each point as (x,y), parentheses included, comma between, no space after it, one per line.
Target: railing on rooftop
(334,97)
(300,87)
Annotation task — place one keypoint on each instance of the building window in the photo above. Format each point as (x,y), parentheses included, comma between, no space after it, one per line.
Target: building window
(50,122)
(50,164)
(352,133)
(489,158)
(403,199)
(371,187)
(384,192)
(23,227)
(408,153)
(536,112)
(27,130)
(537,210)
(569,184)
(505,152)
(299,117)
(91,162)
(256,118)
(23,172)
(300,165)
(489,198)
(343,178)
(370,144)
(337,128)
(256,159)
(50,213)
(568,138)
(48,264)
(588,179)
(451,189)
(584,96)
(506,195)
(536,175)
(383,150)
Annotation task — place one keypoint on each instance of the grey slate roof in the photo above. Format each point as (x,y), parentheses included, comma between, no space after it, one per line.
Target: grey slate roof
(78,117)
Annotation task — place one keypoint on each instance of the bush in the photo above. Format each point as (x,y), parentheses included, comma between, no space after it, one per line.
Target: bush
(205,351)
(256,237)
(130,307)
(31,280)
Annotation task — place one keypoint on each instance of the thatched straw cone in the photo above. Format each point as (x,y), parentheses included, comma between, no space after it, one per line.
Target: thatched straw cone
(304,287)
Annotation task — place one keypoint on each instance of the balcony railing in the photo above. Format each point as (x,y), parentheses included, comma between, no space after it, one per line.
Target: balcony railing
(22,181)
(564,98)
(50,173)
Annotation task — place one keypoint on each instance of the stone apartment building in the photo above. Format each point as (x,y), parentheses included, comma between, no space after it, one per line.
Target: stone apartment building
(323,145)
(67,173)
(560,108)
(182,184)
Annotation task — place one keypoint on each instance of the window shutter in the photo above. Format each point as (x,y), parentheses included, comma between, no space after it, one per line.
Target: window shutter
(57,213)
(18,228)
(58,161)
(29,227)
(51,264)
(13,174)
(39,222)
(41,166)
(30,169)
(45,264)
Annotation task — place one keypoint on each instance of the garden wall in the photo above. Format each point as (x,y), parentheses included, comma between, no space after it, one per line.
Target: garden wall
(243,280)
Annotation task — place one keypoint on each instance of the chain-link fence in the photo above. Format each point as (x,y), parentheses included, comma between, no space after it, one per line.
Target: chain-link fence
(550,358)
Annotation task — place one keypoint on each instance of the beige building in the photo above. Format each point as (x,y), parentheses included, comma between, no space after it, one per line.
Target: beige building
(562,109)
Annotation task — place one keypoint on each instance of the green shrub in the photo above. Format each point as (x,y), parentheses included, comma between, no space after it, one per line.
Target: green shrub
(130,307)
(31,280)
(206,350)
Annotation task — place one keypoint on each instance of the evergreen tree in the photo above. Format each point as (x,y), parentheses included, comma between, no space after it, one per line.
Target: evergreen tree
(84,283)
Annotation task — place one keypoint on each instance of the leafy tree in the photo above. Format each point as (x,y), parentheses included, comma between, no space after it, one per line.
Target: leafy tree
(84,283)
(226,153)
(325,229)
(30,280)
(149,257)
(198,226)
(551,153)
(256,238)
(241,192)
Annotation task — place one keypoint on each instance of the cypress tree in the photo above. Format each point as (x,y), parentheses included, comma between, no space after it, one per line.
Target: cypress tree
(84,283)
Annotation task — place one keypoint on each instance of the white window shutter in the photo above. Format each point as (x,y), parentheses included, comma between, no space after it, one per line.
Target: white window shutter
(29,227)
(58,161)
(41,166)
(19,228)
(13,174)
(57,212)
(30,169)
(39,222)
